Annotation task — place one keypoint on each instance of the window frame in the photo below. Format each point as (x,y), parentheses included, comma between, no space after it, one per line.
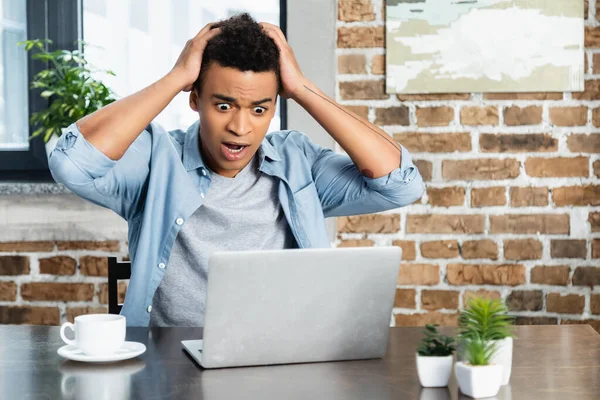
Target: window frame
(61,21)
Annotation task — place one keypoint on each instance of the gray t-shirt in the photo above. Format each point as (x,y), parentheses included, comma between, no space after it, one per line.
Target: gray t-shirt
(241,213)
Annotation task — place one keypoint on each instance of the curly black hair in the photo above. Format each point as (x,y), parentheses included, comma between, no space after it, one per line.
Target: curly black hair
(242,44)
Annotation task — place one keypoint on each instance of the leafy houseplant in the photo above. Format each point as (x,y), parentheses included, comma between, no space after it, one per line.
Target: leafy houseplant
(487,320)
(479,376)
(68,85)
(434,357)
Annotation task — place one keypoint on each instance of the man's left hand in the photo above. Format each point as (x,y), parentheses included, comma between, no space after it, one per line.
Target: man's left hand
(292,78)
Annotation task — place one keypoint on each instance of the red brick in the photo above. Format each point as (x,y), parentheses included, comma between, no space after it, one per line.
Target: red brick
(442,319)
(52,291)
(425,169)
(582,143)
(25,315)
(596,248)
(408,247)
(419,142)
(515,116)
(356,243)
(523,249)
(445,223)
(586,276)
(369,223)
(392,116)
(596,167)
(481,293)
(59,265)
(559,167)
(568,248)
(439,299)
(109,245)
(569,116)
(103,292)
(405,298)
(355,10)
(8,291)
(446,197)
(94,266)
(529,196)
(530,223)
(565,304)
(525,300)
(434,116)
(595,303)
(360,37)
(363,90)
(588,195)
(479,115)
(352,64)
(480,274)
(487,197)
(480,169)
(485,248)
(550,275)
(594,220)
(378,64)
(440,249)
(517,142)
(536,321)
(26,247)
(523,96)
(14,265)
(419,274)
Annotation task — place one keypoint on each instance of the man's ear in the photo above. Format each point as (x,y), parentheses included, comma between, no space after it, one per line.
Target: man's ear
(194,99)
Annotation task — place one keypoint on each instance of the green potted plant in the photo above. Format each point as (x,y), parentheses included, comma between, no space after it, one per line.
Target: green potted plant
(434,357)
(478,376)
(488,320)
(68,85)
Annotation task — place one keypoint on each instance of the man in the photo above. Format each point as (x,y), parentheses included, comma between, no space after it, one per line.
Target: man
(223,185)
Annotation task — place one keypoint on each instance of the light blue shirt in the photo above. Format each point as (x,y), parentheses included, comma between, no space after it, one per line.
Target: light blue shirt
(161,180)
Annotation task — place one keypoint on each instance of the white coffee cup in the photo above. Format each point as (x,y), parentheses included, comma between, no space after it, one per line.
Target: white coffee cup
(96,334)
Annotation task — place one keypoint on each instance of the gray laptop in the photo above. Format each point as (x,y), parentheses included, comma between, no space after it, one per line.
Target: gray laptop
(298,305)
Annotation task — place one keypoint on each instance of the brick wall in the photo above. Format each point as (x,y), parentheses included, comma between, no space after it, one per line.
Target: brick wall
(49,282)
(512,207)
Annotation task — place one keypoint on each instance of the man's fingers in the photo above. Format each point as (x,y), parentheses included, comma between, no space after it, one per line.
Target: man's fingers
(275,29)
(203,30)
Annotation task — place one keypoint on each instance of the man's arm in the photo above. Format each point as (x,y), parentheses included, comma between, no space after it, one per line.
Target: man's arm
(112,129)
(371,149)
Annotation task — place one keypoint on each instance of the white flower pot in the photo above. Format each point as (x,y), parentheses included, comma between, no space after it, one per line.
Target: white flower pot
(478,381)
(434,371)
(503,356)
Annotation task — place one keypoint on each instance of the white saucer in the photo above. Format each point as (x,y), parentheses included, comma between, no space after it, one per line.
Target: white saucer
(127,351)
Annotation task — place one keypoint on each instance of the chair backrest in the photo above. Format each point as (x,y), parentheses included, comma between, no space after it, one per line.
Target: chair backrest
(116,271)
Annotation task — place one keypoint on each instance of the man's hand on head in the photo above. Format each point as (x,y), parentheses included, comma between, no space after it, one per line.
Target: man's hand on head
(187,67)
(292,78)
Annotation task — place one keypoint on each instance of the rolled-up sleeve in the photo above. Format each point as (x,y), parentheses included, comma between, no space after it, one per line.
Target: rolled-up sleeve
(343,190)
(92,175)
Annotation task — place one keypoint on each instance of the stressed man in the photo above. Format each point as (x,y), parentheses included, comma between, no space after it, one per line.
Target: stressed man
(224,184)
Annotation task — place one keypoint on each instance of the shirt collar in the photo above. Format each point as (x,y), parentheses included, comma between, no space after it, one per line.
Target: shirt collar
(192,159)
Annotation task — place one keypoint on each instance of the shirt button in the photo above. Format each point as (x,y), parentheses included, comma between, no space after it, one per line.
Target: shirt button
(179,221)
(149,308)
(203,172)
(202,195)
(161,265)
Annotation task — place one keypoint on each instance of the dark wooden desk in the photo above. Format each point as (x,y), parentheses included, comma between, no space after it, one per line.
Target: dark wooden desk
(550,362)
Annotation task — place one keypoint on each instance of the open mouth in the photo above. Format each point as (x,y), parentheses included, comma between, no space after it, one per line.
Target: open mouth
(234,151)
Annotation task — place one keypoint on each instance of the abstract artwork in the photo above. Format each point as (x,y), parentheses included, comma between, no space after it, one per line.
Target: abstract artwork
(445,46)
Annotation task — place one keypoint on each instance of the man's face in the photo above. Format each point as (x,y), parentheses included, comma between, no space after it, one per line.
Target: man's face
(235,110)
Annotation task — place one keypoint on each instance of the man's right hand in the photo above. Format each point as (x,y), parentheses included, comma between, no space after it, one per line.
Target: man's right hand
(187,67)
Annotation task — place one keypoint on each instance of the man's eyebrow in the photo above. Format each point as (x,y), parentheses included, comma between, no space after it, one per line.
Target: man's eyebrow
(233,100)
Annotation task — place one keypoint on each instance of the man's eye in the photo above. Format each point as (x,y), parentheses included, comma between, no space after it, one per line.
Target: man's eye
(260,110)
(223,106)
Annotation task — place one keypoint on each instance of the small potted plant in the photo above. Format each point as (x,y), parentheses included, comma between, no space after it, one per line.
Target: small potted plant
(434,357)
(477,376)
(488,320)
(68,85)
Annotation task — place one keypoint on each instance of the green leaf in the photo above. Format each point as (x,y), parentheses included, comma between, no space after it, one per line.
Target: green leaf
(46,93)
